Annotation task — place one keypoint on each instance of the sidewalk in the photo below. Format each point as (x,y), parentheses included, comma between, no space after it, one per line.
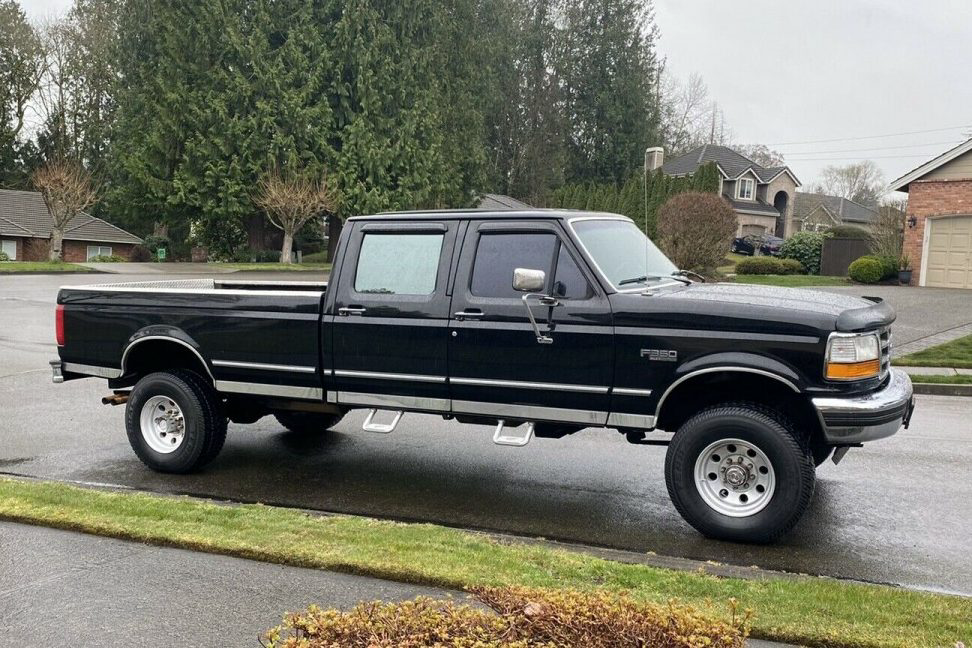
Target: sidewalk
(59,588)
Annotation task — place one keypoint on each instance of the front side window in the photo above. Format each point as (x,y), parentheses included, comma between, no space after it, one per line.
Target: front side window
(98,250)
(498,255)
(398,264)
(569,281)
(745,188)
(10,249)
(624,255)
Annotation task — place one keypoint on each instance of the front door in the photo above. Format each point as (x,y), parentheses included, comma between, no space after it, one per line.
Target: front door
(389,319)
(497,367)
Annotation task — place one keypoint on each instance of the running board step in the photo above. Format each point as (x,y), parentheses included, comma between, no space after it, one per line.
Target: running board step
(381,428)
(516,437)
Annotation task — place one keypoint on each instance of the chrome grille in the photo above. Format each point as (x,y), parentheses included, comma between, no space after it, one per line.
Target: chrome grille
(885,335)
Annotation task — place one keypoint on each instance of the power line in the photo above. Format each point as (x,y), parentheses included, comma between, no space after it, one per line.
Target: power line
(877,148)
(865,137)
(861,157)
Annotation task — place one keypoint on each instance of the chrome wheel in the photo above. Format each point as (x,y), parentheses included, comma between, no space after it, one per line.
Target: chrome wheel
(735,478)
(163,425)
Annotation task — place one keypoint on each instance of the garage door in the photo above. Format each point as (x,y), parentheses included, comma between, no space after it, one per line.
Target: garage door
(949,252)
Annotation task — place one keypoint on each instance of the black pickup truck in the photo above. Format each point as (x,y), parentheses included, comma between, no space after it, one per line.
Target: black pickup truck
(540,323)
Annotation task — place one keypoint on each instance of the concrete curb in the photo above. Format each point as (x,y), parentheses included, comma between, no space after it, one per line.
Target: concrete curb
(938,389)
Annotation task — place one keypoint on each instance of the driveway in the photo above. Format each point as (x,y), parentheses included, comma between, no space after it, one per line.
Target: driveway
(896,511)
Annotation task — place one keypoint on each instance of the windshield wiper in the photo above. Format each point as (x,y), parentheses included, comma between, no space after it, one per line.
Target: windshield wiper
(644,278)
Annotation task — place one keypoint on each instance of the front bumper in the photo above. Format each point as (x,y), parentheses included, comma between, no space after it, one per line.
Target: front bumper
(876,415)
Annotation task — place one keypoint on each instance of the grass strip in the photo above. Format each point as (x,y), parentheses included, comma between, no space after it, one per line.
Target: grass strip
(957,353)
(275,267)
(792,281)
(810,611)
(940,379)
(41,266)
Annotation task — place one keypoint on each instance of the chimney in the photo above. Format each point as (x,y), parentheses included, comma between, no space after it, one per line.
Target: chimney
(654,158)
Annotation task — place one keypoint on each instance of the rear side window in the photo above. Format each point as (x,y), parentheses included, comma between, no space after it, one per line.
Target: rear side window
(498,255)
(398,264)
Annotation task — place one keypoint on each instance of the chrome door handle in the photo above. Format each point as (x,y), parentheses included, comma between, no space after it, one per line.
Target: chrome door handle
(351,310)
(461,315)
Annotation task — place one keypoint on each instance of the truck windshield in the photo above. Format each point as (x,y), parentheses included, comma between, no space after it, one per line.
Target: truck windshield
(624,255)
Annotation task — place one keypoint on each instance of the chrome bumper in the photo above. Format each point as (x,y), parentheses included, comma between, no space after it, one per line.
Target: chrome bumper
(876,415)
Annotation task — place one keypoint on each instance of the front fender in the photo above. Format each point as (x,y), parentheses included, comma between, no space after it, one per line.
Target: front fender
(743,362)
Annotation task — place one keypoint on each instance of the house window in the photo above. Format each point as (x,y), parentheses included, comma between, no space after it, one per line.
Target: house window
(745,188)
(98,250)
(10,249)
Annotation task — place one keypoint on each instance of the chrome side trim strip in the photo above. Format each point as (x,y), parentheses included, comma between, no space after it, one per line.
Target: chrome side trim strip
(627,391)
(262,389)
(263,367)
(166,338)
(700,372)
(531,412)
(640,421)
(378,375)
(393,401)
(590,389)
(91,370)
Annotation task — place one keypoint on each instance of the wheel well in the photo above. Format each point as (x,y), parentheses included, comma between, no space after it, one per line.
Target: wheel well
(706,390)
(161,355)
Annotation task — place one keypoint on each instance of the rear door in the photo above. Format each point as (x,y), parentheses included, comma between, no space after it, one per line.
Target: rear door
(388,322)
(496,365)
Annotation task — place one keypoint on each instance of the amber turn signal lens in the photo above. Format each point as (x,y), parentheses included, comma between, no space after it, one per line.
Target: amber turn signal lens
(853,370)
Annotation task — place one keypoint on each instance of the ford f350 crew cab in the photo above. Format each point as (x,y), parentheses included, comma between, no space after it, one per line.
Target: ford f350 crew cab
(540,323)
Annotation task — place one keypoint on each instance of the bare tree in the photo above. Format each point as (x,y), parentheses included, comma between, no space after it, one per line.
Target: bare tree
(291,202)
(760,154)
(861,182)
(68,191)
(887,231)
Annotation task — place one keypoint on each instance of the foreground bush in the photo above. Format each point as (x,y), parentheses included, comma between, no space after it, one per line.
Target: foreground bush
(769,266)
(4,257)
(867,270)
(805,247)
(106,258)
(695,229)
(521,618)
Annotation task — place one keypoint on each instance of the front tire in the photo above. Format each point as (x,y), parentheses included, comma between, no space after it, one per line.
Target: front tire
(739,472)
(307,422)
(174,422)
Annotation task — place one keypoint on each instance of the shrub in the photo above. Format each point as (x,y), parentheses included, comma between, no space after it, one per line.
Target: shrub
(106,258)
(849,231)
(760,266)
(695,229)
(524,618)
(4,257)
(867,270)
(889,265)
(141,254)
(792,267)
(805,247)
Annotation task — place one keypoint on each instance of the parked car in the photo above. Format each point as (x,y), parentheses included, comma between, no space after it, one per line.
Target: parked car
(749,244)
(539,323)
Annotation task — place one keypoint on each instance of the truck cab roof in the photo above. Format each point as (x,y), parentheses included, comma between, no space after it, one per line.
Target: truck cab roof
(478,214)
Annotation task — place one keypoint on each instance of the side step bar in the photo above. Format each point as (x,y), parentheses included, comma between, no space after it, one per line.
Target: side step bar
(516,437)
(381,428)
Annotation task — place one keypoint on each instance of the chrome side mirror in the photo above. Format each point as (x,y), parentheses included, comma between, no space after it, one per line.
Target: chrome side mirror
(530,281)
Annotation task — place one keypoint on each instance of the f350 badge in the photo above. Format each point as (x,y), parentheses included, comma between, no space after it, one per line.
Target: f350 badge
(661,355)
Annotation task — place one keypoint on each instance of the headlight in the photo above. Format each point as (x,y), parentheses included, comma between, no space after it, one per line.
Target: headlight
(853,356)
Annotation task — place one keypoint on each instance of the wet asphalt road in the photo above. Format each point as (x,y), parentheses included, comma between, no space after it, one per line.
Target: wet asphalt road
(896,511)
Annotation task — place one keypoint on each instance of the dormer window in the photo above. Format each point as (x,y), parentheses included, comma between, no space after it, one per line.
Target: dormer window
(745,188)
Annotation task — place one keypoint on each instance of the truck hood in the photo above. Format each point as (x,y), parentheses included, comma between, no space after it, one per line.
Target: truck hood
(796,306)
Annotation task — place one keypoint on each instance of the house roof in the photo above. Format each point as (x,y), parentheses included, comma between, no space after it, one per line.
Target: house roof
(901,184)
(731,163)
(841,209)
(499,201)
(24,213)
(753,206)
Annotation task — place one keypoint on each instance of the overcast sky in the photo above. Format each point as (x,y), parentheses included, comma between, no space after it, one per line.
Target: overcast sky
(793,71)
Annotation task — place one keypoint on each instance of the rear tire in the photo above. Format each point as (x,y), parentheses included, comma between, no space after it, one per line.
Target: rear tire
(739,472)
(307,422)
(174,422)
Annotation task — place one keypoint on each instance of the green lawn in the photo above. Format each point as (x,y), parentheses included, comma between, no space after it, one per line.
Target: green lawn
(793,281)
(957,353)
(811,611)
(941,379)
(730,262)
(41,266)
(276,267)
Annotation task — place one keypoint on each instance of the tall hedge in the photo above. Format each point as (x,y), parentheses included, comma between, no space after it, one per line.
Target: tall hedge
(633,198)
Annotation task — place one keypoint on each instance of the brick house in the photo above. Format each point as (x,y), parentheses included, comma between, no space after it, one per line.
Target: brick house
(25,232)
(762,197)
(938,221)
